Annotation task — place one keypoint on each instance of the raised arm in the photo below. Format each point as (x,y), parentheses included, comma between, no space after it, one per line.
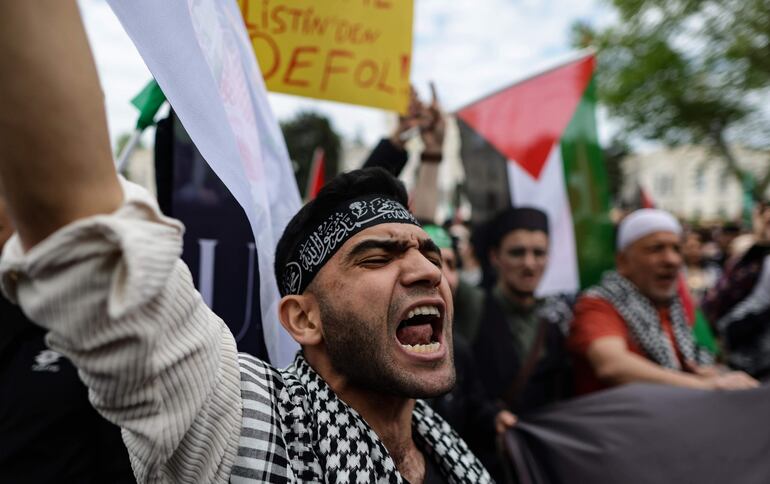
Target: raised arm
(97,264)
(56,165)
(432,127)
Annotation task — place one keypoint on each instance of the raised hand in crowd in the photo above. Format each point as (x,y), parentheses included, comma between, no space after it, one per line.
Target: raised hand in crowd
(425,120)
(428,121)
(408,124)
(432,126)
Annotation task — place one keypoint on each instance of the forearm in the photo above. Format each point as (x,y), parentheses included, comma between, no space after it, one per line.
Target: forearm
(56,164)
(631,368)
(388,156)
(425,195)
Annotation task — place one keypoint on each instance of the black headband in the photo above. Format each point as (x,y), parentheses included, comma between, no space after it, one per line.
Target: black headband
(321,242)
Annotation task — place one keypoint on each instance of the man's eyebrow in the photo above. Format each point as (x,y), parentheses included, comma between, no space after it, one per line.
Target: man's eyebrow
(387,245)
(390,246)
(427,245)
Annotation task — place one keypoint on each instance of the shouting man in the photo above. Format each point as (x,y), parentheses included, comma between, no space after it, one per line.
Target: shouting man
(97,265)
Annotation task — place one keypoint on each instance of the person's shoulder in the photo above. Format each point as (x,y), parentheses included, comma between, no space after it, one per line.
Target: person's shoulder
(257,372)
(592,302)
(557,310)
(561,301)
(593,314)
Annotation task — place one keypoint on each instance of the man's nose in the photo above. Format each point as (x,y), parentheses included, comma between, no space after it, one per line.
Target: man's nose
(530,259)
(672,257)
(418,269)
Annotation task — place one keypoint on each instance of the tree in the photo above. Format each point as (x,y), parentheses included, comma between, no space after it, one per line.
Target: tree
(688,71)
(303,134)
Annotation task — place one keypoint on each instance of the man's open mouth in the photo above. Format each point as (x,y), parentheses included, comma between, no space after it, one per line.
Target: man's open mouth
(420,331)
(668,278)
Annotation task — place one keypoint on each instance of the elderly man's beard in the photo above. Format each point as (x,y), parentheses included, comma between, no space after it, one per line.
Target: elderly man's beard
(362,356)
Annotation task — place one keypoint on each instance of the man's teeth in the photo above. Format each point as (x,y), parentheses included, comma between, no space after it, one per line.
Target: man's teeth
(426,310)
(429,348)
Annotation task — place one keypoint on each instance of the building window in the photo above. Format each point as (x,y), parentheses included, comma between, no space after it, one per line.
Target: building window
(726,173)
(664,185)
(700,179)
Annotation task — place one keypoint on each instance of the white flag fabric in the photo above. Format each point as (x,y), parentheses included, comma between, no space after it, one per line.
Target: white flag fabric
(549,194)
(200,55)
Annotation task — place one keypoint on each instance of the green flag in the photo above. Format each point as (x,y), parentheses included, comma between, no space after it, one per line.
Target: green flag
(148,101)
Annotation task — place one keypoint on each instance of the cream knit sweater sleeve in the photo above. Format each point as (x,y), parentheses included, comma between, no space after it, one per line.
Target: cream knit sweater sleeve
(120,304)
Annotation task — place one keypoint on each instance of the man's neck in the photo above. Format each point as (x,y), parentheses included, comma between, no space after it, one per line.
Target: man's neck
(523,299)
(390,417)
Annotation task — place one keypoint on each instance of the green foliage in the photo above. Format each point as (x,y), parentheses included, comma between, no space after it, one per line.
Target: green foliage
(687,71)
(303,134)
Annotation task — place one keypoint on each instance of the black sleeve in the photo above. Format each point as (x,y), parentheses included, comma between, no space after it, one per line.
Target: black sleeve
(388,156)
(746,330)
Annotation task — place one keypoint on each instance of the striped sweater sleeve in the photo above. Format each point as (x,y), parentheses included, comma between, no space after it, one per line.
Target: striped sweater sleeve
(120,304)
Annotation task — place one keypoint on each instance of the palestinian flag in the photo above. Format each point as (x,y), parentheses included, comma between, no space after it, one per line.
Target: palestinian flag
(535,144)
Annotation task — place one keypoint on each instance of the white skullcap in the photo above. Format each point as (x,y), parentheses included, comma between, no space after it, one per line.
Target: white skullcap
(644,222)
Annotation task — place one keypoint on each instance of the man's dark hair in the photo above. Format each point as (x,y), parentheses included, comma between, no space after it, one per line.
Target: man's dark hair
(515,218)
(343,187)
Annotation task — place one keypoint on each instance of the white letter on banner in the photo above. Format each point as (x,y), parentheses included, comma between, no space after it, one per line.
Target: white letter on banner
(206,270)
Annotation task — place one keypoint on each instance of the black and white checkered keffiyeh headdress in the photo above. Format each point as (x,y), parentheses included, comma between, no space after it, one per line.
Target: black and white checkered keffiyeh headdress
(644,323)
(322,242)
(296,430)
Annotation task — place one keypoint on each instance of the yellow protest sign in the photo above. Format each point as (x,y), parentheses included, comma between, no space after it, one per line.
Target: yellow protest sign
(353,51)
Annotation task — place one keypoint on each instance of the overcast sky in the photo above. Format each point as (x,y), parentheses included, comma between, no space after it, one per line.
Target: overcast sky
(468,47)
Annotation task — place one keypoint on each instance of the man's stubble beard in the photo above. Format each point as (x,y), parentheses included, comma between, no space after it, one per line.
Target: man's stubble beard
(356,353)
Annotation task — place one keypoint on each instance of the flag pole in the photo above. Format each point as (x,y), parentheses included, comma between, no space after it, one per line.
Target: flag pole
(128,149)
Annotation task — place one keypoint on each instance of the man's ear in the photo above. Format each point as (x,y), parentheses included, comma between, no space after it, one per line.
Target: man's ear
(300,316)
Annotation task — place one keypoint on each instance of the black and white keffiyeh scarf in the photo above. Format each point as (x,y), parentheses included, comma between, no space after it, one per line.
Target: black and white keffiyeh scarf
(295,429)
(644,323)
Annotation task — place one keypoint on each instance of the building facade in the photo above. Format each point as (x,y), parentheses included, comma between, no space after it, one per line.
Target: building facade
(692,181)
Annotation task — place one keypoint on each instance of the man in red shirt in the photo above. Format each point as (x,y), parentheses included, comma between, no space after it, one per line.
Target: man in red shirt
(631,326)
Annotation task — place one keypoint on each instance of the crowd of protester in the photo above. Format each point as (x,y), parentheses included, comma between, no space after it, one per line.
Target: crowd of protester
(515,351)
(632,327)
(526,351)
